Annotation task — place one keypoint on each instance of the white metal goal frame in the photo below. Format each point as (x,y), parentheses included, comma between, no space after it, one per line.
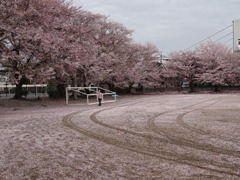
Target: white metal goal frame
(91,92)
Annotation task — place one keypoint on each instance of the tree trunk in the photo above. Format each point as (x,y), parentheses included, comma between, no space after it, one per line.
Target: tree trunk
(191,86)
(18,92)
(216,89)
(111,86)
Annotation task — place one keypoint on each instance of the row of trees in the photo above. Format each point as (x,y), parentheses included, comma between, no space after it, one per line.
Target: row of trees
(51,39)
(209,63)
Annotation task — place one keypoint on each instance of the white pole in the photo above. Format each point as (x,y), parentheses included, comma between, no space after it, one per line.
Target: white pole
(66,95)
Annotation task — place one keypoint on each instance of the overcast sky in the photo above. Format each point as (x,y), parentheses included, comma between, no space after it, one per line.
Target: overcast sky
(171,25)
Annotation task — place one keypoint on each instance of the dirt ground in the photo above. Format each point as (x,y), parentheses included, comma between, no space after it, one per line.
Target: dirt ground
(171,136)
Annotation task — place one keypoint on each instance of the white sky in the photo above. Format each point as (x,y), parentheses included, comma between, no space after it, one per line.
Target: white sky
(172,25)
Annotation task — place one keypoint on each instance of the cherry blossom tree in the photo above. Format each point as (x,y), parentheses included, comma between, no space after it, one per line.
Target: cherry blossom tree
(32,38)
(116,57)
(143,66)
(217,64)
(102,64)
(131,63)
(183,65)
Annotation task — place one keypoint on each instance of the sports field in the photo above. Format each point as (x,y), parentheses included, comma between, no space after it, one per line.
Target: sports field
(170,136)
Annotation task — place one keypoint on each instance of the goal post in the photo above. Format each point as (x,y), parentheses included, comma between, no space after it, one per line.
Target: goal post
(90,95)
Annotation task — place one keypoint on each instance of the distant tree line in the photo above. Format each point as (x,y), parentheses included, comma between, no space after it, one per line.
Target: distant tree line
(209,63)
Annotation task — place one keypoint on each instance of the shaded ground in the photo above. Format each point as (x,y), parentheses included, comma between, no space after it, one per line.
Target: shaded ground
(139,137)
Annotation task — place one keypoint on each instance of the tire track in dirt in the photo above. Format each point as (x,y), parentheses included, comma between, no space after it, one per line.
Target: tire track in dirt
(188,142)
(198,162)
(146,151)
(167,140)
(160,140)
(180,121)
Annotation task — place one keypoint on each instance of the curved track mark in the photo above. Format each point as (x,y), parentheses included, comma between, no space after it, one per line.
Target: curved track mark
(188,142)
(146,151)
(181,122)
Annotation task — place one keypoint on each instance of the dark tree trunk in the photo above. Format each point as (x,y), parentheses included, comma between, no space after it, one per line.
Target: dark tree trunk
(216,89)
(18,92)
(61,90)
(111,86)
(191,86)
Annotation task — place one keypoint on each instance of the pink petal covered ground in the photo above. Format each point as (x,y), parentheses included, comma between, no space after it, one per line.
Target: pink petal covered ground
(138,137)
